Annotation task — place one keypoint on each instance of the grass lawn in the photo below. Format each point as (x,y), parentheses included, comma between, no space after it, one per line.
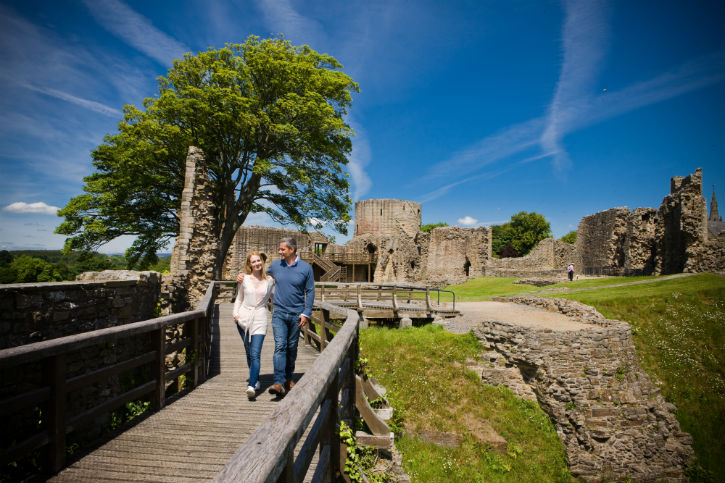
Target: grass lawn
(428,384)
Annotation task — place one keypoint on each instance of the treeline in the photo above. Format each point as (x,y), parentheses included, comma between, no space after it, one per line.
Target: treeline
(28,266)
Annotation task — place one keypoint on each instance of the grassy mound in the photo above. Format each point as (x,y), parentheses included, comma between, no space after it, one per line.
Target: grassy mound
(424,372)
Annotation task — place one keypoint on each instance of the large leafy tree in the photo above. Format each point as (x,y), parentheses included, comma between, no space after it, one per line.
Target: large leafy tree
(519,236)
(269,117)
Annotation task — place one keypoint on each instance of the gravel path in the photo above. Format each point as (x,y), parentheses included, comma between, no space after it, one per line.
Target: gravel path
(472,313)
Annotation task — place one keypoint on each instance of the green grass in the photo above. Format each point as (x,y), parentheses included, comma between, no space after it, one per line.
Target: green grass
(678,328)
(483,288)
(428,384)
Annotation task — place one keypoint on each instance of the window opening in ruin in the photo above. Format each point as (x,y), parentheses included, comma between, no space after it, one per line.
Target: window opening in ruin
(320,248)
(390,251)
(467,266)
(371,248)
(412,265)
(418,250)
(381,212)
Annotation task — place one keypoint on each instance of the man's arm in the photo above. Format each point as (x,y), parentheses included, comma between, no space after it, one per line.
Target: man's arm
(309,293)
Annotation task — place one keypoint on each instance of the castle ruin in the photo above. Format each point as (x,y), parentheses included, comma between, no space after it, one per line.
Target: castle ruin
(389,247)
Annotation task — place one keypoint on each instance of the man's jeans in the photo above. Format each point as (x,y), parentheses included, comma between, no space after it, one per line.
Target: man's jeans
(286,335)
(253,350)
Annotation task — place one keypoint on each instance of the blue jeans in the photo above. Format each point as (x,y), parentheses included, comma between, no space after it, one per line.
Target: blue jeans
(253,348)
(286,335)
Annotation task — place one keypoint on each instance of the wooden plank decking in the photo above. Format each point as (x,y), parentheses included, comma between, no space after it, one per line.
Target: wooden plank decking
(194,437)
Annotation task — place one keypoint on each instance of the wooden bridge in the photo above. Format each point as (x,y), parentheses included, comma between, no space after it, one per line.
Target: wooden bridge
(209,433)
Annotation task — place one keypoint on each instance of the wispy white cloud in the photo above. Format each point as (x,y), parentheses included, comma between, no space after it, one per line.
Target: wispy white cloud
(282,18)
(136,30)
(577,102)
(583,43)
(39,207)
(467,221)
(358,161)
(92,105)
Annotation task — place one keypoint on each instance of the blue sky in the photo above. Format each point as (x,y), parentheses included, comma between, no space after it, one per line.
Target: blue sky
(476,109)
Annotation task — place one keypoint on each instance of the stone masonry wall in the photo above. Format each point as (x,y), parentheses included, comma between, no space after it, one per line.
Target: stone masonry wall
(548,259)
(386,217)
(600,240)
(197,245)
(454,254)
(613,422)
(32,312)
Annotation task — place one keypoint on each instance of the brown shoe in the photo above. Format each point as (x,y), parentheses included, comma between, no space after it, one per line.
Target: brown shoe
(277,389)
(289,385)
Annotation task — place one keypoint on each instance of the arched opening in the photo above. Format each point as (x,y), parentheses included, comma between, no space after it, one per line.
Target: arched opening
(371,248)
(467,266)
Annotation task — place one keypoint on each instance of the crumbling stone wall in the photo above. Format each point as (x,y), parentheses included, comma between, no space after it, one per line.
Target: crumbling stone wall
(676,238)
(601,239)
(197,246)
(387,217)
(455,254)
(612,420)
(548,259)
(32,312)
(264,239)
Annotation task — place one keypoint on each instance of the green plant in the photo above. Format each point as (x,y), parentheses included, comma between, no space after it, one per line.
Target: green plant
(570,406)
(360,460)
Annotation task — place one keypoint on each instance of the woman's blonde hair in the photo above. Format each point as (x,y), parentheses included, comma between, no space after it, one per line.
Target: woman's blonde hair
(248,265)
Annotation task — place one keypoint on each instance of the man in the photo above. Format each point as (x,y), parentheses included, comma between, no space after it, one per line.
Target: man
(294,293)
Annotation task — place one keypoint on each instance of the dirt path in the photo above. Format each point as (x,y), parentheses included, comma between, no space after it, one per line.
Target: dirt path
(472,313)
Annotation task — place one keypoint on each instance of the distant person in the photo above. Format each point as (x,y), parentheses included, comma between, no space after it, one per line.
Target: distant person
(570,270)
(293,297)
(252,316)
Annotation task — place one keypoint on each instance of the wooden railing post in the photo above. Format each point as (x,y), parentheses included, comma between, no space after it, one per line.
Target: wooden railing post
(359,297)
(56,369)
(159,395)
(196,375)
(325,333)
(330,437)
(395,299)
(427,300)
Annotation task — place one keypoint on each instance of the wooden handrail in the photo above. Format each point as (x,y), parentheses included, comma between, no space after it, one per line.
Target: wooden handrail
(57,383)
(268,454)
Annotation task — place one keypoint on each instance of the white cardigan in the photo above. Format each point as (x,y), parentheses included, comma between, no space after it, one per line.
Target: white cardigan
(249,315)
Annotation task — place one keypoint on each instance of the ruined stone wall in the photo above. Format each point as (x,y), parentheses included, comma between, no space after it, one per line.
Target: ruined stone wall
(600,241)
(683,231)
(612,420)
(32,312)
(641,241)
(548,259)
(264,239)
(387,217)
(197,245)
(646,241)
(455,254)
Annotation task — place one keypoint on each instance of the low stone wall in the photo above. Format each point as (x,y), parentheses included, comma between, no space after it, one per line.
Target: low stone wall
(548,259)
(31,312)
(613,422)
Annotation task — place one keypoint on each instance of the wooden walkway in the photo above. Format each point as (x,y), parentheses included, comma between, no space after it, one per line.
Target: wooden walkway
(194,437)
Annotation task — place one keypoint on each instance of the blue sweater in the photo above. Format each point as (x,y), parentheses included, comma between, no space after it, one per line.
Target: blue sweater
(294,288)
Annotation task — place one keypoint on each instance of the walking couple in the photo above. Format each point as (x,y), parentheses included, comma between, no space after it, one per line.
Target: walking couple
(291,281)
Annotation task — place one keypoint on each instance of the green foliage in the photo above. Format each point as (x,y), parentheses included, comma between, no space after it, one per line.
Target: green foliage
(360,460)
(28,266)
(427,228)
(678,327)
(269,118)
(424,372)
(519,236)
(569,237)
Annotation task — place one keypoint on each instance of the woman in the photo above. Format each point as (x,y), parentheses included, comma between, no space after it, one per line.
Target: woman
(251,314)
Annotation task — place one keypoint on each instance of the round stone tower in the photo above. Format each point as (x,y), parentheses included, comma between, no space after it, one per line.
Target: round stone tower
(386,217)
